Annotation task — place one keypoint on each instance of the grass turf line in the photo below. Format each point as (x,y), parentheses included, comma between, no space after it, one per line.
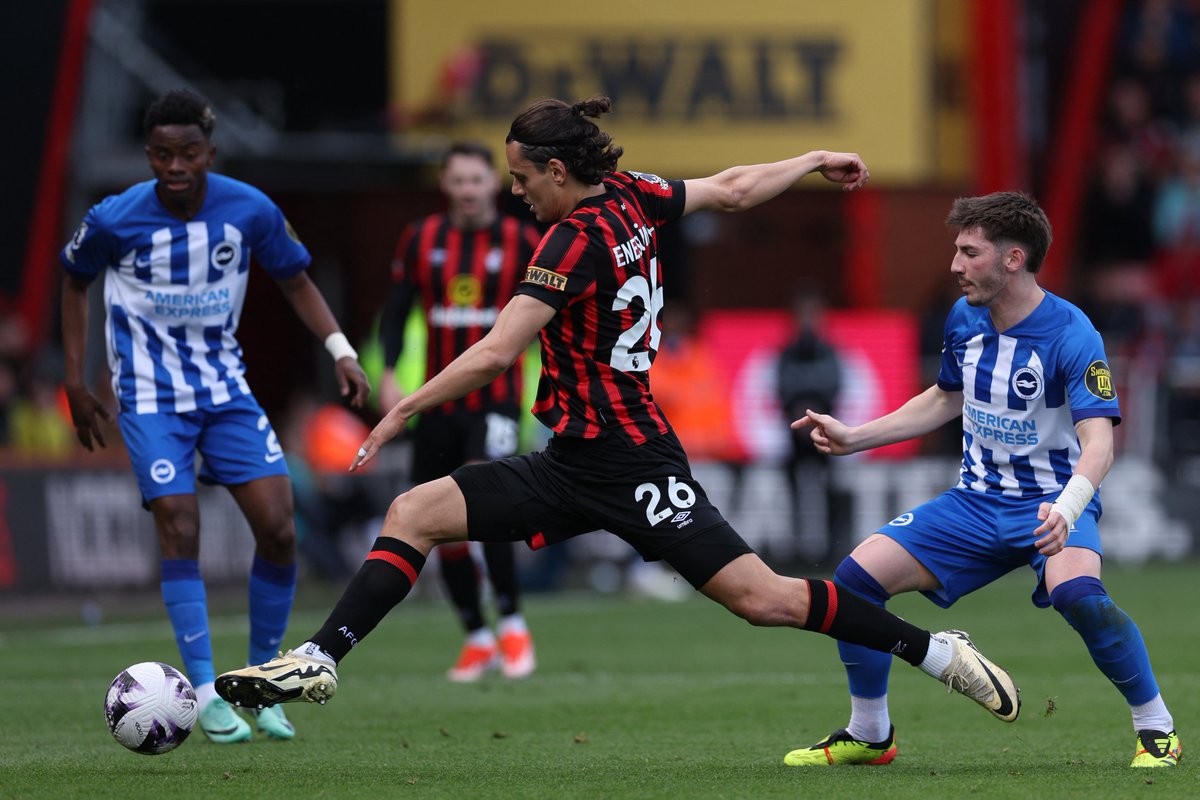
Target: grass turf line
(631,700)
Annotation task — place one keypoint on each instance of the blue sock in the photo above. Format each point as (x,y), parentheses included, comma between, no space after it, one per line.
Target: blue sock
(272,589)
(866,669)
(187,606)
(1111,637)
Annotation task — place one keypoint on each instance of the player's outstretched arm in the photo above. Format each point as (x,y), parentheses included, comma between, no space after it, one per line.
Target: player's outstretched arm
(313,311)
(926,412)
(743,187)
(86,410)
(480,364)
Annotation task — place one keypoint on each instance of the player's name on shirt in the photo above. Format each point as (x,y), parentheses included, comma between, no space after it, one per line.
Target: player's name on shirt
(631,249)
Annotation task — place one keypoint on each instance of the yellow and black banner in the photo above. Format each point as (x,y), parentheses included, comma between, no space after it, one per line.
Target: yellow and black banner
(696,86)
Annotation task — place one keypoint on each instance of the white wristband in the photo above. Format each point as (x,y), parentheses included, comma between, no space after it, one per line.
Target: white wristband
(1074,498)
(339,346)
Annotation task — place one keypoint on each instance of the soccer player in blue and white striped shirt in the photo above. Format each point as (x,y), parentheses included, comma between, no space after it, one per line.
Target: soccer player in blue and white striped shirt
(1027,373)
(175,255)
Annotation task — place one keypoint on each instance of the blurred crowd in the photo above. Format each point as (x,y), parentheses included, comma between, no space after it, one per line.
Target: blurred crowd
(35,424)
(1138,268)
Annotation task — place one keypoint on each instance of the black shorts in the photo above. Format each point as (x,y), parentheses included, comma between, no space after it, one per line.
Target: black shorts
(644,494)
(444,442)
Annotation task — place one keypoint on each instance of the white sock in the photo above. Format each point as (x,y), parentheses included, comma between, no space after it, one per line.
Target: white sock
(513,623)
(205,694)
(313,651)
(869,720)
(482,638)
(941,652)
(1152,716)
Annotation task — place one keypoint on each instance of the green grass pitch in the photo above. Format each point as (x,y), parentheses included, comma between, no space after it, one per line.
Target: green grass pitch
(632,699)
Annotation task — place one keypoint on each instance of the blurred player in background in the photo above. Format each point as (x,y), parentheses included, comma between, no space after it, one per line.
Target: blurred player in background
(1027,372)
(464,266)
(809,375)
(175,253)
(593,294)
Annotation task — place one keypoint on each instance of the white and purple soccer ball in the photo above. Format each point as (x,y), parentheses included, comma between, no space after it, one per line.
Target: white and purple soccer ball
(150,708)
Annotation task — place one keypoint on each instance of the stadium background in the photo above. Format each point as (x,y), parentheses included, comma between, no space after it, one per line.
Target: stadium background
(340,110)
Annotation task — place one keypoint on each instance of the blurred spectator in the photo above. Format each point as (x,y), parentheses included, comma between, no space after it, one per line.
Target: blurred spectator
(40,428)
(1114,281)
(1157,45)
(14,339)
(689,389)
(809,367)
(1177,223)
(1130,122)
(1116,215)
(809,377)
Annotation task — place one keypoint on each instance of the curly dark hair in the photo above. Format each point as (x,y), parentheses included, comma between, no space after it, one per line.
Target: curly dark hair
(180,107)
(551,128)
(1012,218)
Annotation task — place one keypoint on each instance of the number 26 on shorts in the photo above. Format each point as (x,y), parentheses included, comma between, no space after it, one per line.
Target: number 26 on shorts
(678,496)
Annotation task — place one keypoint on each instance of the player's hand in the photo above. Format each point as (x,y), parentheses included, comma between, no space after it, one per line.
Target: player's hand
(352,381)
(85,409)
(845,168)
(1052,534)
(829,435)
(387,429)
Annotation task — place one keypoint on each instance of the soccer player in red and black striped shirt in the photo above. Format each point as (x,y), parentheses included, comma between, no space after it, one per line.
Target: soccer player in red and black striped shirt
(463,267)
(592,294)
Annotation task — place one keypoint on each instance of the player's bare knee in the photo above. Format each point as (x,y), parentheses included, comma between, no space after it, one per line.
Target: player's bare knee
(404,520)
(276,541)
(178,531)
(397,514)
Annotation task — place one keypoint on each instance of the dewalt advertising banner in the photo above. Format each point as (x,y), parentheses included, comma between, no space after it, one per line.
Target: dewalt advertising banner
(696,86)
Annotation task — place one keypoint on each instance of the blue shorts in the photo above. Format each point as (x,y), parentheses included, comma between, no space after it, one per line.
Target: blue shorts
(968,539)
(235,440)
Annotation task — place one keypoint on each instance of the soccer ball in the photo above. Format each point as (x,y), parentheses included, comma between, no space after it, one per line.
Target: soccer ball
(150,708)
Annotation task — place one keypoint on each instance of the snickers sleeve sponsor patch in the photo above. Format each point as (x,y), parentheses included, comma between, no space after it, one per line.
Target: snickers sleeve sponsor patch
(1099,381)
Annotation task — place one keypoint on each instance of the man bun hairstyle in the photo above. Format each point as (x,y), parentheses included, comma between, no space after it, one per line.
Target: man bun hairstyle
(551,128)
(1006,218)
(180,107)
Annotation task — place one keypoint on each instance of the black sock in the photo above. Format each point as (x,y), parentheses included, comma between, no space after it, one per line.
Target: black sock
(385,578)
(846,616)
(502,572)
(461,578)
